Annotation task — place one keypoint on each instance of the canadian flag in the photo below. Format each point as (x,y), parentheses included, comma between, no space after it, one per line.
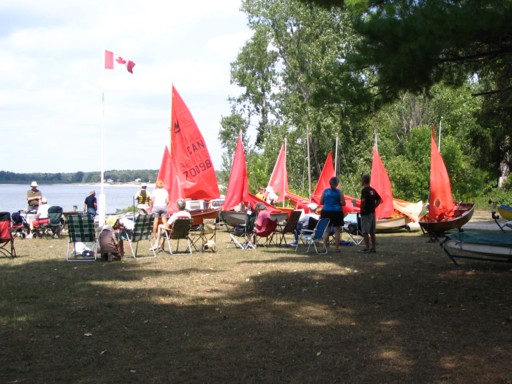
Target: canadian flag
(109,61)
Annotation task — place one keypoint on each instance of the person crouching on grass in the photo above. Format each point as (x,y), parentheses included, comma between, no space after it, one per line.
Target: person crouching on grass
(370,200)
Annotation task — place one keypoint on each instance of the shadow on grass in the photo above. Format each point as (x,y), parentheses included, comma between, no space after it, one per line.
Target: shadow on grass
(403,315)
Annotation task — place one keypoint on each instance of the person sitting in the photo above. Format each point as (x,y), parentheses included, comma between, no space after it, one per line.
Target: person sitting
(271,197)
(264,225)
(41,217)
(181,213)
(261,193)
(123,227)
(306,221)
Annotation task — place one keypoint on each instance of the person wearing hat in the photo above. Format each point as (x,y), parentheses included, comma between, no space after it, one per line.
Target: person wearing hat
(306,220)
(41,217)
(33,197)
(143,198)
(91,204)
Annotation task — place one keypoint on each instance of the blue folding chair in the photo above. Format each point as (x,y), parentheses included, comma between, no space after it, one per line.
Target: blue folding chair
(314,237)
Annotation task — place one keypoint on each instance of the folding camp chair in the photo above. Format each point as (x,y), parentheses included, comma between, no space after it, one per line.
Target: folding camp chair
(180,230)
(54,225)
(142,230)
(314,237)
(241,237)
(205,232)
(6,238)
(83,237)
(352,227)
(288,227)
(266,232)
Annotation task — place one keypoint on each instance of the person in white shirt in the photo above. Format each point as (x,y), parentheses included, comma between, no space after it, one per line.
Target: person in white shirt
(271,197)
(182,213)
(41,217)
(159,200)
(305,219)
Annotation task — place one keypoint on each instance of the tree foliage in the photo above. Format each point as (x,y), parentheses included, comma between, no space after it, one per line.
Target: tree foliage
(364,70)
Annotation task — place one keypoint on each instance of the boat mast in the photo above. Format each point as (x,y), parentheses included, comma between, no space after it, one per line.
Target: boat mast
(309,161)
(439,139)
(336,157)
(170,125)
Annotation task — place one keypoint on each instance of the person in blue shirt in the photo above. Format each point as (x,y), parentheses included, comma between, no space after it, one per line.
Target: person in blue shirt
(91,205)
(333,201)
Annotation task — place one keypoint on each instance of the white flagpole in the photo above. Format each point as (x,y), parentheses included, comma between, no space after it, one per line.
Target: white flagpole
(102,201)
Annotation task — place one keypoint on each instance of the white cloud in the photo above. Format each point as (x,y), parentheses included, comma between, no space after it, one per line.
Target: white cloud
(52,79)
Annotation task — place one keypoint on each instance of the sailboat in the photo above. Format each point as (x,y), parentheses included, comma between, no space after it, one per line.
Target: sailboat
(352,205)
(237,193)
(391,214)
(187,169)
(443,213)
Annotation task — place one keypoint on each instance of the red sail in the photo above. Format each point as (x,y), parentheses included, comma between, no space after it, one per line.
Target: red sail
(169,176)
(323,181)
(279,179)
(190,153)
(238,185)
(440,200)
(380,182)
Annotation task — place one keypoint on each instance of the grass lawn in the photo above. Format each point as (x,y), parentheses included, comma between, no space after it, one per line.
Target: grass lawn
(406,314)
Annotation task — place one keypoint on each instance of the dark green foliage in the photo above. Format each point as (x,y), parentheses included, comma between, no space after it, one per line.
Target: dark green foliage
(117,176)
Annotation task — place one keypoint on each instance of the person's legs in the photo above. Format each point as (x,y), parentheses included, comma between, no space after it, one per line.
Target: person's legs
(337,237)
(155,225)
(365,230)
(372,233)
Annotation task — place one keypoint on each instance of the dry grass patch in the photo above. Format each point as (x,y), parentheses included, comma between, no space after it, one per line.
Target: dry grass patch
(405,314)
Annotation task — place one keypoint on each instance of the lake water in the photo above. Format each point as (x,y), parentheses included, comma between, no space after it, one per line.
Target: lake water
(13,197)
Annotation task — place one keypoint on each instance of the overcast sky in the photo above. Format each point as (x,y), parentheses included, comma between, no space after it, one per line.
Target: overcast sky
(52,79)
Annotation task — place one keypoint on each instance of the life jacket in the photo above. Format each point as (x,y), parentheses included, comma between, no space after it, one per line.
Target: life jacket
(143,197)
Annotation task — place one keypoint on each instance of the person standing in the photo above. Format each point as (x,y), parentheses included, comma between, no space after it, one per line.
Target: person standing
(159,201)
(370,200)
(91,205)
(143,199)
(333,201)
(34,197)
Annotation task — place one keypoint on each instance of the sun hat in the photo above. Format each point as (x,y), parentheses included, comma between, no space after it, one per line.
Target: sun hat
(312,206)
(44,200)
(33,184)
